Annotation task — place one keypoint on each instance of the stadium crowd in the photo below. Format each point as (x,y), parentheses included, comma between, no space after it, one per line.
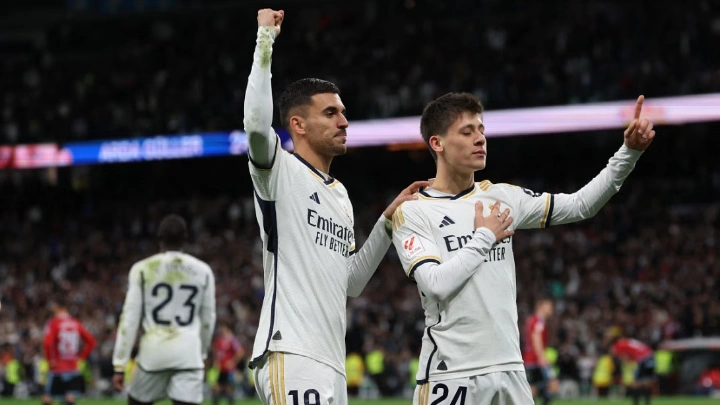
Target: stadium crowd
(647,263)
(186,71)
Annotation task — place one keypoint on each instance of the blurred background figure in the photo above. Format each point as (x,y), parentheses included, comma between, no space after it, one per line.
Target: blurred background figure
(229,355)
(541,376)
(67,344)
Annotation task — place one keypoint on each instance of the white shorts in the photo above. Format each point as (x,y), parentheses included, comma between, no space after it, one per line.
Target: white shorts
(182,386)
(501,388)
(290,379)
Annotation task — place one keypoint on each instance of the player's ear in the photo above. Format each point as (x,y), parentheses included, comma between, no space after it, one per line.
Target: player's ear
(297,125)
(436,143)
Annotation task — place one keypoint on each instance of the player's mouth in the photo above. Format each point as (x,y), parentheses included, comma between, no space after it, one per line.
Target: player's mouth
(341,134)
(479,153)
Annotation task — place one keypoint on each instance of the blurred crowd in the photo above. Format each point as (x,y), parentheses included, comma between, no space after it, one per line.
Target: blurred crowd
(646,265)
(82,77)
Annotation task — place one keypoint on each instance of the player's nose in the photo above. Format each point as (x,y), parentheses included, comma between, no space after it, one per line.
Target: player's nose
(479,139)
(342,121)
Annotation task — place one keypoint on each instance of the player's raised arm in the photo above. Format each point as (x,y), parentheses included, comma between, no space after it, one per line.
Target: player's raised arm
(420,255)
(365,261)
(262,140)
(539,210)
(207,315)
(129,321)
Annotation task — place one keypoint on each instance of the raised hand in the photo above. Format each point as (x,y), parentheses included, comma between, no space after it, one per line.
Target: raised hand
(497,222)
(406,195)
(270,18)
(639,134)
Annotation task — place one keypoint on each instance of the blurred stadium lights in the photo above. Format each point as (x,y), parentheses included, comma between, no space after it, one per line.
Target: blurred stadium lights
(396,133)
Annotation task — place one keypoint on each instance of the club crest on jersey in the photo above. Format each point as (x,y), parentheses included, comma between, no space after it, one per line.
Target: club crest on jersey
(412,246)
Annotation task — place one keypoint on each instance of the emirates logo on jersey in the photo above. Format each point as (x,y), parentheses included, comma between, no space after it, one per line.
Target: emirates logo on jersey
(412,246)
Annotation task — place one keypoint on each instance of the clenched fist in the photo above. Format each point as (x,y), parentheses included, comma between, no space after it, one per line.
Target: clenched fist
(270,18)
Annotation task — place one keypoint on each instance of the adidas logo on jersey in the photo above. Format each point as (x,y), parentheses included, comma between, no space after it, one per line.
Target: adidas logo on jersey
(315,198)
(446,221)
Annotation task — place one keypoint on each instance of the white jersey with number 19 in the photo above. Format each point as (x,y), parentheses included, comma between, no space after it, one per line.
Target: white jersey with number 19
(306,221)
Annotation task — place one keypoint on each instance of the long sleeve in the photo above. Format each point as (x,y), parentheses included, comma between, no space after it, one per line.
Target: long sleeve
(587,201)
(439,281)
(207,315)
(262,140)
(364,261)
(89,343)
(129,321)
(540,210)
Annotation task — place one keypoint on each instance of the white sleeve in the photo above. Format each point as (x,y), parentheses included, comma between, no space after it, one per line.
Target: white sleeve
(420,256)
(364,261)
(540,210)
(207,314)
(129,320)
(262,140)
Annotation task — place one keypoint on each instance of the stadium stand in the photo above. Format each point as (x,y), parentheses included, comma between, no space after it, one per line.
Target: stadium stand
(646,264)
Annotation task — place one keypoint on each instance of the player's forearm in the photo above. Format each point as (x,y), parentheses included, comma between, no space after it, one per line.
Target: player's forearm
(88,346)
(124,343)
(365,260)
(127,328)
(538,348)
(258,101)
(587,201)
(208,318)
(440,281)
(207,315)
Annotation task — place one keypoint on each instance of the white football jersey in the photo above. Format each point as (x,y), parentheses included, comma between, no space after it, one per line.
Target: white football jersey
(173,295)
(306,223)
(475,331)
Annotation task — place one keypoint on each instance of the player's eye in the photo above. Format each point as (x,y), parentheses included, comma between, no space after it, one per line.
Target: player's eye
(467,133)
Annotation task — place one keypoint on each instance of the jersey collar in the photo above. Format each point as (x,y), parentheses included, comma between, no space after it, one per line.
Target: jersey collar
(328,181)
(427,192)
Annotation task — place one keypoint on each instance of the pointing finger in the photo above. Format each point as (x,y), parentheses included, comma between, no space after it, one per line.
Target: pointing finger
(638,106)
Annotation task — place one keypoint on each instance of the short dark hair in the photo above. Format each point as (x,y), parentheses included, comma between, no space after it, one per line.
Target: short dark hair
(172,231)
(299,94)
(440,114)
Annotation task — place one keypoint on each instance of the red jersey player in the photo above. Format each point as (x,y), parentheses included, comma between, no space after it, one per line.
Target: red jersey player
(539,373)
(631,350)
(63,335)
(228,353)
